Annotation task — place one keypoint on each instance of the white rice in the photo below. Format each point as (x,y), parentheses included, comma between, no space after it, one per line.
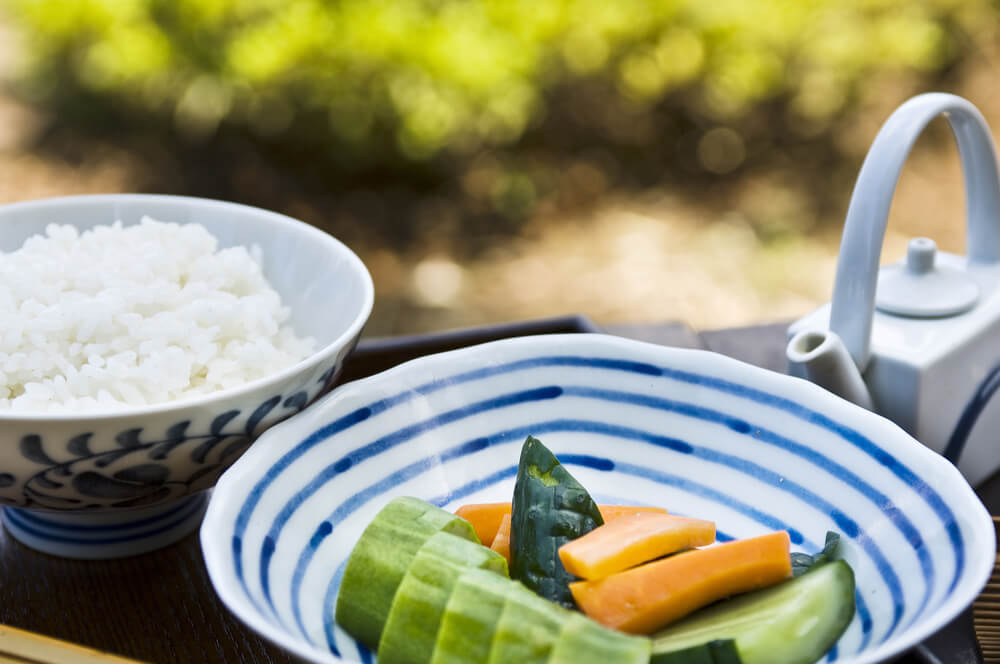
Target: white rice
(116,317)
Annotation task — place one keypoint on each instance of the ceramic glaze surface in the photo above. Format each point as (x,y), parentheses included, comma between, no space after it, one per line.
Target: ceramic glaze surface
(920,349)
(695,432)
(135,460)
(940,389)
(124,463)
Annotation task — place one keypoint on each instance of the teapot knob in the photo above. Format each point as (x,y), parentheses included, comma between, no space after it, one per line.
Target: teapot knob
(920,253)
(921,289)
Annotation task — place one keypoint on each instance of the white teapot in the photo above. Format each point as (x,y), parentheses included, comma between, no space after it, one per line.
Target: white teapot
(917,341)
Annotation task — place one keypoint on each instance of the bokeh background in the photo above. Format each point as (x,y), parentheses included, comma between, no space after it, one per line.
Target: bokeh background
(493,160)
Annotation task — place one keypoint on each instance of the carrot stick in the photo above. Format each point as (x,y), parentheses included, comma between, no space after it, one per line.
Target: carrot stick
(644,599)
(632,540)
(501,543)
(486,517)
(612,512)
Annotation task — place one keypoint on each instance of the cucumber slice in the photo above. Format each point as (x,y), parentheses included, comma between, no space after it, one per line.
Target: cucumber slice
(528,629)
(713,652)
(380,559)
(471,617)
(725,652)
(415,616)
(583,641)
(795,622)
(693,655)
(803,562)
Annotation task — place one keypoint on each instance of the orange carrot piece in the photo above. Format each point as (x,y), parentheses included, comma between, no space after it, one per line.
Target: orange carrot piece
(647,598)
(486,517)
(501,543)
(632,540)
(612,512)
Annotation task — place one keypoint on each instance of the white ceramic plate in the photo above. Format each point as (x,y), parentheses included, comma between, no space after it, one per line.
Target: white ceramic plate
(696,432)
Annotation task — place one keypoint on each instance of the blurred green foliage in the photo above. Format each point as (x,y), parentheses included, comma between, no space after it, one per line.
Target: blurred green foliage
(418,77)
(462,118)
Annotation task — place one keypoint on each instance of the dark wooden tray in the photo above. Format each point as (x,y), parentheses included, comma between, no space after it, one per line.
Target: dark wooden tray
(378,354)
(160,607)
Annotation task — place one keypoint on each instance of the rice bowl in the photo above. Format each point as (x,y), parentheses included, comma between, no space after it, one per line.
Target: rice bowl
(124,316)
(116,478)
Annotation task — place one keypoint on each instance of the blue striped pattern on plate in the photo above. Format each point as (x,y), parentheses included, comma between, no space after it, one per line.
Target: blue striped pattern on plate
(698,433)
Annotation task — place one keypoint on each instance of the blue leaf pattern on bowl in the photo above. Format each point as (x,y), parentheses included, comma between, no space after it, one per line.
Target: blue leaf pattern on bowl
(137,472)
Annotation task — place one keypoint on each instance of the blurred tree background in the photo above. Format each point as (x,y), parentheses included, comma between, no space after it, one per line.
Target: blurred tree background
(498,159)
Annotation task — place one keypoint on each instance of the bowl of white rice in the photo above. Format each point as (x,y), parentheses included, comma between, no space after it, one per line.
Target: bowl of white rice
(145,342)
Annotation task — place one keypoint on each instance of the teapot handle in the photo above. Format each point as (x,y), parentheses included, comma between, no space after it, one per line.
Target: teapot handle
(853,304)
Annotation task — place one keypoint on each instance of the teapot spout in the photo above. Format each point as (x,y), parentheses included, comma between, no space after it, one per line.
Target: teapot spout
(821,357)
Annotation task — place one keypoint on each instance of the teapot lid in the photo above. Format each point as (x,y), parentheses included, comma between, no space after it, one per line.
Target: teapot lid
(921,289)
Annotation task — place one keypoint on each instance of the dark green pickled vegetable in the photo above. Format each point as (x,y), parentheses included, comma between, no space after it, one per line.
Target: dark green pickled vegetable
(803,562)
(549,509)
